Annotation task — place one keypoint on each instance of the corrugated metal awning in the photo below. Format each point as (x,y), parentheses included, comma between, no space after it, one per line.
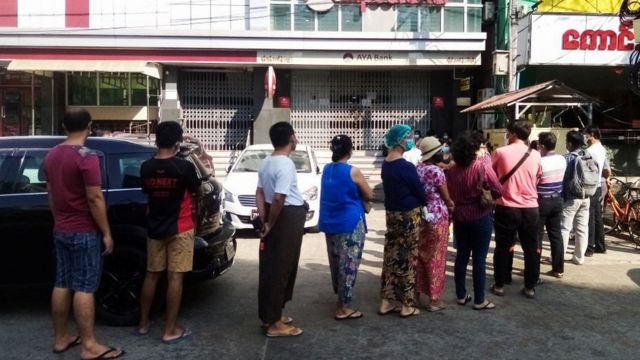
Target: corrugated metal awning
(553,90)
(144,67)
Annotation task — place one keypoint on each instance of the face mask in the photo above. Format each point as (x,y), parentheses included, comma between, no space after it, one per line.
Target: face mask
(409,145)
(445,149)
(585,139)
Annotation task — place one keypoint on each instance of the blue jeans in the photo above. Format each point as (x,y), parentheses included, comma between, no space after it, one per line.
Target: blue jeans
(472,237)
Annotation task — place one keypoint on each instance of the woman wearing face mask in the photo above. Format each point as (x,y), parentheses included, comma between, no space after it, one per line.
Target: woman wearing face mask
(404,198)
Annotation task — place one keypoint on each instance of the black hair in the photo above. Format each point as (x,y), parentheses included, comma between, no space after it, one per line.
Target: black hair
(593,131)
(465,147)
(575,139)
(548,139)
(534,145)
(280,134)
(520,128)
(168,133)
(430,132)
(341,146)
(76,120)
(417,133)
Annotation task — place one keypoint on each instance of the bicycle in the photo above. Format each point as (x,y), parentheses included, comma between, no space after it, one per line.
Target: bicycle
(624,201)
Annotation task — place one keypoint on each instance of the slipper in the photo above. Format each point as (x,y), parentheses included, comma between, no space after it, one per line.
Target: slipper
(556,275)
(412,313)
(495,291)
(487,306)
(139,332)
(434,308)
(287,320)
(291,332)
(540,281)
(465,301)
(392,310)
(355,314)
(104,354)
(529,294)
(74,342)
(185,334)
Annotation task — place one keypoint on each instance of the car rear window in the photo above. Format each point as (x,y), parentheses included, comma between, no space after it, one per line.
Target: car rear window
(125,170)
(251,159)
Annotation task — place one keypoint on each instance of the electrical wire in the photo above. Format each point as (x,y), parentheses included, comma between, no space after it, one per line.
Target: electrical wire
(629,11)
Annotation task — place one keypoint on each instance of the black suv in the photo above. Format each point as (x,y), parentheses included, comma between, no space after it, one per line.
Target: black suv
(26,223)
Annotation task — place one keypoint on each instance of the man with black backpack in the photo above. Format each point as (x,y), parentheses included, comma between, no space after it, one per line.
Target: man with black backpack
(578,185)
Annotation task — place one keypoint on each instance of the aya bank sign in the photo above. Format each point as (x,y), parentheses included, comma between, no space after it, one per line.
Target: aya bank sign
(563,39)
(326,5)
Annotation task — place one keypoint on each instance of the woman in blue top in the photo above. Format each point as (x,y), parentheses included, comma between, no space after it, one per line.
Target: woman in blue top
(342,219)
(404,197)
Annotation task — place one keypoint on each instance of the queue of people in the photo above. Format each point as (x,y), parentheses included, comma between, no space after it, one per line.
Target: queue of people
(516,192)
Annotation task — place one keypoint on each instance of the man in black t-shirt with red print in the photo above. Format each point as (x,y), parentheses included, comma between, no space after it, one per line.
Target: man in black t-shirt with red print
(170,184)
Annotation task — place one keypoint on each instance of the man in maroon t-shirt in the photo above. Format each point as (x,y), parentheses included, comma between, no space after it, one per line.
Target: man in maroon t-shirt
(80,229)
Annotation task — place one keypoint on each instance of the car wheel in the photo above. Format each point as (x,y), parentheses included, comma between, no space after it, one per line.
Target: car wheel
(118,298)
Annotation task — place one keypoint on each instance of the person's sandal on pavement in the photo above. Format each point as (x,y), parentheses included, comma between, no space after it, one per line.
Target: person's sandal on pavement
(486,305)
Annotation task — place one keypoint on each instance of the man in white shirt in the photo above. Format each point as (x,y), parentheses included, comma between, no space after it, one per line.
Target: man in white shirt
(596,226)
(282,211)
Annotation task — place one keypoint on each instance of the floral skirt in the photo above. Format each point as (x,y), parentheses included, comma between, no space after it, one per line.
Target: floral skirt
(432,258)
(345,253)
(400,256)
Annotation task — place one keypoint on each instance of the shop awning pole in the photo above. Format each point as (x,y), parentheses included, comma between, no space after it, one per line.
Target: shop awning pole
(33,106)
(148,127)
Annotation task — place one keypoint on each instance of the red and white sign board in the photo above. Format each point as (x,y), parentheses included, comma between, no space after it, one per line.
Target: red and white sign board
(562,39)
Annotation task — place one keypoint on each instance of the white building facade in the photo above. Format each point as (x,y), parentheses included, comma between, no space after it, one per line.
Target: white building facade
(353,67)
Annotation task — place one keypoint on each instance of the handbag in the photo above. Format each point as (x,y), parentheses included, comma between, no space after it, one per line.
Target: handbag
(486,199)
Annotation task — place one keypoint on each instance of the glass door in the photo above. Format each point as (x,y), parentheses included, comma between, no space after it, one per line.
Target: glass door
(11,111)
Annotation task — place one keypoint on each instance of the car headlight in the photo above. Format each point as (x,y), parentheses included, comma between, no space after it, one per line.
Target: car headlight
(228,196)
(310,194)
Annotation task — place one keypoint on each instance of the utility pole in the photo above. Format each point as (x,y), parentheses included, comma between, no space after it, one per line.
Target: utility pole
(513,43)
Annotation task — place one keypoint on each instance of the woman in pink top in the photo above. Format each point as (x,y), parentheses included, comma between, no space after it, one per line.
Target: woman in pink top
(472,223)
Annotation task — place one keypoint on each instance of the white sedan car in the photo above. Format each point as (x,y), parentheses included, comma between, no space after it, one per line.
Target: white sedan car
(239,202)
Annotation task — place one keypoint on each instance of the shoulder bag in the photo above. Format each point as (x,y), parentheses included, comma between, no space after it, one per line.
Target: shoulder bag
(522,160)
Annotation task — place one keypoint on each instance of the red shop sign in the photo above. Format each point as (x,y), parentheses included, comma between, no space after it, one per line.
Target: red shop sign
(603,40)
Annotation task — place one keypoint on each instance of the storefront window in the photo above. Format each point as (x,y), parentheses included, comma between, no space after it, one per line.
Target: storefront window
(351,18)
(114,89)
(328,21)
(281,17)
(474,19)
(82,89)
(431,19)
(407,18)
(139,90)
(304,18)
(454,19)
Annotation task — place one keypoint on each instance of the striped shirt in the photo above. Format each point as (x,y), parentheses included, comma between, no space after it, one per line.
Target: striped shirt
(553,168)
(462,183)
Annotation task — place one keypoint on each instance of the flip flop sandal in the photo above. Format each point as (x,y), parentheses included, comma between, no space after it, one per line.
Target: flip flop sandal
(287,321)
(529,294)
(392,310)
(292,332)
(487,306)
(75,342)
(496,292)
(465,301)
(104,355)
(434,308)
(412,313)
(353,315)
(185,334)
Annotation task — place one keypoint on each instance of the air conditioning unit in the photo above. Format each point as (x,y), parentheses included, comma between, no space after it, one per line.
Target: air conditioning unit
(489,11)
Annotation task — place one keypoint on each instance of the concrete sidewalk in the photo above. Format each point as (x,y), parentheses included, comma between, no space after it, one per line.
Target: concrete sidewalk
(591,313)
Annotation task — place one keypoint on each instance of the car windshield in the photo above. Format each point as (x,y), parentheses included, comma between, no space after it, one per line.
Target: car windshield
(251,159)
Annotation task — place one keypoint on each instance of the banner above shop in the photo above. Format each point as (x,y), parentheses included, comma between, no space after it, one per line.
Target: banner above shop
(369,58)
(563,39)
(326,5)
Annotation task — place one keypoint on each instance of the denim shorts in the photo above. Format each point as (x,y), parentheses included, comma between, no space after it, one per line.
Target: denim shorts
(78,260)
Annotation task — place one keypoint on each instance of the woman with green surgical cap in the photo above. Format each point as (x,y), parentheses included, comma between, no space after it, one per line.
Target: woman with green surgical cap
(404,198)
